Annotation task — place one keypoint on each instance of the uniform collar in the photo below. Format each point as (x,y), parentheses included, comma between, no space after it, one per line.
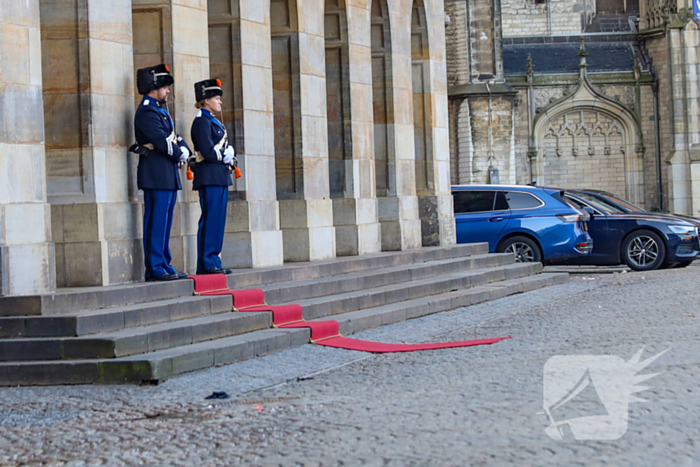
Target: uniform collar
(210,115)
(151,101)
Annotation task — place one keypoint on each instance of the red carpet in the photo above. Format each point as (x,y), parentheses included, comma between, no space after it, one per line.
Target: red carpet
(322,332)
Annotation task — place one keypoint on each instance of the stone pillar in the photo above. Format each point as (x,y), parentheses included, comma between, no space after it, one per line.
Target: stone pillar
(239,44)
(176,32)
(430,117)
(88,111)
(301,132)
(685,112)
(26,254)
(393,128)
(350,127)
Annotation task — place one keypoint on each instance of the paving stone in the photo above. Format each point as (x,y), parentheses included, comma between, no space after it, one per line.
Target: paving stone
(476,406)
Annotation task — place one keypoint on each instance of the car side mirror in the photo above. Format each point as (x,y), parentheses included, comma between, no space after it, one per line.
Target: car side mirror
(589,210)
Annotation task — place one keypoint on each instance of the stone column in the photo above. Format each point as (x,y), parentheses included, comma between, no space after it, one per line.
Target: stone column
(685,114)
(176,32)
(398,203)
(430,116)
(301,137)
(351,132)
(26,254)
(239,44)
(88,111)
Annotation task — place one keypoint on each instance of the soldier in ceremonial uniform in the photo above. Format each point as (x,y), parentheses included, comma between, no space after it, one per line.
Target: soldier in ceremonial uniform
(161,152)
(212,164)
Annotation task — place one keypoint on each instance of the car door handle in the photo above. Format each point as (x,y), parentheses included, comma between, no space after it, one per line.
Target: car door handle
(496,219)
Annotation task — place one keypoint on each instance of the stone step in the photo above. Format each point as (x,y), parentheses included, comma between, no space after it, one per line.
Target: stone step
(112,319)
(68,301)
(151,338)
(363,320)
(321,307)
(294,291)
(93,298)
(135,341)
(160,365)
(295,272)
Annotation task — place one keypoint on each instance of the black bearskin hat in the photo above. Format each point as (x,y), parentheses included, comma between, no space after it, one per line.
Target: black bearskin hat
(207,89)
(152,78)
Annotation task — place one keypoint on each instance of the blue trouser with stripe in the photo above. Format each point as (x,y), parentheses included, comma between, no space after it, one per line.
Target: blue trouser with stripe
(157,221)
(210,237)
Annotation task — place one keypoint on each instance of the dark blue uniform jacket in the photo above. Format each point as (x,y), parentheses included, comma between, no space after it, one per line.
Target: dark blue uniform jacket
(158,170)
(206,133)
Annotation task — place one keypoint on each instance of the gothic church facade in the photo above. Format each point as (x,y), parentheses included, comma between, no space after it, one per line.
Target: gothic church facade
(599,94)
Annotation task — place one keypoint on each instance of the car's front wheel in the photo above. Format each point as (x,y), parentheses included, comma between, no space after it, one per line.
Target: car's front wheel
(643,250)
(524,249)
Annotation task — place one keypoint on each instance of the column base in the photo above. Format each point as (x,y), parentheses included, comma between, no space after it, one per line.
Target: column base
(253,238)
(27,269)
(437,220)
(252,249)
(97,244)
(357,230)
(107,262)
(307,228)
(400,225)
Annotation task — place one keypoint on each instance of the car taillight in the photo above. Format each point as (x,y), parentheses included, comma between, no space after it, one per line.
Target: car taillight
(572,217)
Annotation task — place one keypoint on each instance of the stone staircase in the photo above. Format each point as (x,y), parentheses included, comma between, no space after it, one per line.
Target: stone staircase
(153,331)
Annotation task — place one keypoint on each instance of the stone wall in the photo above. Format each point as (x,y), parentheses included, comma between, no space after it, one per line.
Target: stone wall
(674,58)
(457,42)
(527,18)
(479,147)
(493,147)
(651,176)
(463,151)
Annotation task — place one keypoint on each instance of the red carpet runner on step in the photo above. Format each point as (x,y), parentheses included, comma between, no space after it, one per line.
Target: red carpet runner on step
(322,332)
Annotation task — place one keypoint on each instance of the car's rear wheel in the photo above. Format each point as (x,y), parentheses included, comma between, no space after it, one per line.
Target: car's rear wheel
(524,249)
(643,250)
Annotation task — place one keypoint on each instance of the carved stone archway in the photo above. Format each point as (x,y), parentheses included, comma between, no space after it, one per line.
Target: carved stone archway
(587,140)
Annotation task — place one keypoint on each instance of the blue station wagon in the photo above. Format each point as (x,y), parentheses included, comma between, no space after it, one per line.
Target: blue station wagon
(533,223)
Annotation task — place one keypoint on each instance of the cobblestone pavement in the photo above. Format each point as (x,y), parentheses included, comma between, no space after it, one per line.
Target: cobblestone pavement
(322,406)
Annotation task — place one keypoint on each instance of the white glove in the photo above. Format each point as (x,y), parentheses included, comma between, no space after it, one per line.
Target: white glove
(229,155)
(185,154)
